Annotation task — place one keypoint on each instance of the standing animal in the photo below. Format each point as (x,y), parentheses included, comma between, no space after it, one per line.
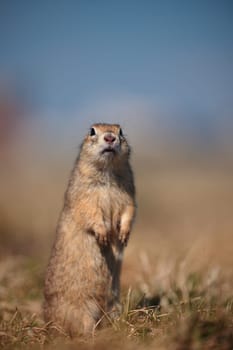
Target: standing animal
(83,276)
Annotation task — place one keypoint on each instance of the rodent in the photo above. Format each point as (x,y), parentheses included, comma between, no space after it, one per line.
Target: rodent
(83,275)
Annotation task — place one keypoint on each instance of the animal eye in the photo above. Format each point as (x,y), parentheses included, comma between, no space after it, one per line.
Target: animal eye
(120,132)
(92,132)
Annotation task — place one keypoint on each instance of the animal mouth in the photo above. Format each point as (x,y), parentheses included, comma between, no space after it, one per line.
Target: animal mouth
(109,150)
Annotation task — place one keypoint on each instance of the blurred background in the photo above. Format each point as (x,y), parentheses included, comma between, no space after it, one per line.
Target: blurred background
(164,71)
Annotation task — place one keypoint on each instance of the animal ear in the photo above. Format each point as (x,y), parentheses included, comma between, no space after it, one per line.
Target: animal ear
(92,132)
(120,132)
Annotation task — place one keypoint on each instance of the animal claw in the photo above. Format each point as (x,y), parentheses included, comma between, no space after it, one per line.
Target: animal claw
(102,239)
(124,239)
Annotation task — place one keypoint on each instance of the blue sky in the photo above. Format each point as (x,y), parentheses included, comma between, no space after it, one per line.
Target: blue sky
(174,55)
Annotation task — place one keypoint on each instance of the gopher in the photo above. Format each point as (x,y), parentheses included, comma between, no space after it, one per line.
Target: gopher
(83,276)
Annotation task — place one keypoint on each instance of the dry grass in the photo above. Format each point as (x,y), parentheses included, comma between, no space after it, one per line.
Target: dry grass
(171,306)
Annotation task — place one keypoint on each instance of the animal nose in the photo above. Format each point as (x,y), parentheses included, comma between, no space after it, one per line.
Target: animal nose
(109,138)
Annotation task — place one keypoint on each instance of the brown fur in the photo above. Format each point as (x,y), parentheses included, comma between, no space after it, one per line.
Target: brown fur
(83,275)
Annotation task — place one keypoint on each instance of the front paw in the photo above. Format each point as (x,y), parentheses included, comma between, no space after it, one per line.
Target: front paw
(124,236)
(101,235)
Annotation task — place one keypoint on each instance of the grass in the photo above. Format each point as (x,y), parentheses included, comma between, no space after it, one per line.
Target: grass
(195,313)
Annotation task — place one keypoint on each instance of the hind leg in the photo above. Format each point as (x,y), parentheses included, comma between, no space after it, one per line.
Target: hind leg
(81,326)
(85,318)
(75,319)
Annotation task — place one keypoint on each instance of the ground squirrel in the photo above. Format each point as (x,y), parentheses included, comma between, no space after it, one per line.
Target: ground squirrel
(83,276)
